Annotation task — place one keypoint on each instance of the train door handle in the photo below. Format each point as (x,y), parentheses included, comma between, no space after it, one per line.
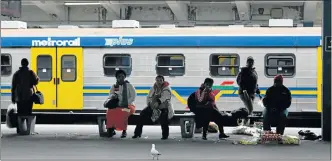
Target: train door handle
(56,80)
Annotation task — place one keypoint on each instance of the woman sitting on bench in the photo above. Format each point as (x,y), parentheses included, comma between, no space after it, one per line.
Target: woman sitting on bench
(159,107)
(124,95)
(202,103)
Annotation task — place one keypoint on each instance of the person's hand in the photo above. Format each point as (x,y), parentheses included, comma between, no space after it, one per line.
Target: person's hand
(258,91)
(114,96)
(155,105)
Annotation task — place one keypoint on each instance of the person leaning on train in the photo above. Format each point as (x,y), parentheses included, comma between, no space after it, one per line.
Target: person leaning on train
(159,107)
(277,100)
(247,81)
(120,105)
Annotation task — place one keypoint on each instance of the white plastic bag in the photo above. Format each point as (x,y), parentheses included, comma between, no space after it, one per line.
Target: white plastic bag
(11,120)
(293,140)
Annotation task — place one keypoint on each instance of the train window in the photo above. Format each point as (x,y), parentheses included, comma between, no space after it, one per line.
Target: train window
(68,68)
(44,67)
(224,65)
(170,64)
(6,65)
(280,64)
(114,62)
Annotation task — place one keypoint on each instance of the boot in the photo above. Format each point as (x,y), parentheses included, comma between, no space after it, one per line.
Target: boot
(124,134)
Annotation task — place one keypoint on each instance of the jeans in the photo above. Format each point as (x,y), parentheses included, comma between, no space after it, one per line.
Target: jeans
(278,117)
(145,118)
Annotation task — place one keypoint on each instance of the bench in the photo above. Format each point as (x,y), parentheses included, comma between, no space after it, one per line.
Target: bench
(187,124)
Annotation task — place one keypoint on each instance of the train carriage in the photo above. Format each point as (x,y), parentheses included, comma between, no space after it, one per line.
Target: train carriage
(76,67)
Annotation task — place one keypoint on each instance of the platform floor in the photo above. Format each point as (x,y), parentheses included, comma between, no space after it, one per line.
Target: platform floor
(58,142)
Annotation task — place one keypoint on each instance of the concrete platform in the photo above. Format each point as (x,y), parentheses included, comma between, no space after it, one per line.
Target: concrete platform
(83,142)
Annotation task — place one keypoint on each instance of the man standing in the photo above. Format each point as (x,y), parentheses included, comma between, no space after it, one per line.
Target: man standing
(22,88)
(276,101)
(247,82)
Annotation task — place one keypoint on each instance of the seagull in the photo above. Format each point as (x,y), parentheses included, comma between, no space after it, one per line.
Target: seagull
(154,152)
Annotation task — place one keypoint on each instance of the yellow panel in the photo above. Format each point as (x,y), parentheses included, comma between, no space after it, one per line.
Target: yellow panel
(47,87)
(70,92)
(319,79)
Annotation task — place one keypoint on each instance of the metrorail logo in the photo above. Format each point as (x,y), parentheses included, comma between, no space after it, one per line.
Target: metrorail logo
(50,42)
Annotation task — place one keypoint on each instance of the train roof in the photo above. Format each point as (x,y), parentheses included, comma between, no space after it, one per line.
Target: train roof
(195,31)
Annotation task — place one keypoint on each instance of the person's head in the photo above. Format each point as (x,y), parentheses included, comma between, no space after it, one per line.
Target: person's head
(208,82)
(24,62)
(250,62)
(160,80)
(278,80)
(120,76)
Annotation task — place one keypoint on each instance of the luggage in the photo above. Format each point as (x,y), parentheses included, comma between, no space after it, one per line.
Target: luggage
(37,97)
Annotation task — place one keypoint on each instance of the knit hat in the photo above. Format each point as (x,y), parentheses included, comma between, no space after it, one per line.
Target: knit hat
(278,78)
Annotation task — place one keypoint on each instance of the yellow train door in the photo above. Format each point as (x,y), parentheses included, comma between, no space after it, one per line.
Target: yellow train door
(43,62)
(60,71)
(70,78)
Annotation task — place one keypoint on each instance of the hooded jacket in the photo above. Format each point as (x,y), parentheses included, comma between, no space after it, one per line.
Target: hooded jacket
(162,95)
(247,80)
(22,84)
(277,98)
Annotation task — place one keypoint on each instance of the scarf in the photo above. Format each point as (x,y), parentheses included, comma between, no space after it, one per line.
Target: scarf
(124,101)
(156,112)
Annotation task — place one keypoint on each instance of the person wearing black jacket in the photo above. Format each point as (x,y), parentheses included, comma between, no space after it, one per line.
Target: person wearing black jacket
(247,82)
(276,101)
(22,88)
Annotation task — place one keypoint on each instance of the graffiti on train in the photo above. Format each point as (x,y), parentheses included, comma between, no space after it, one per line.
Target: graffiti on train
(118,41)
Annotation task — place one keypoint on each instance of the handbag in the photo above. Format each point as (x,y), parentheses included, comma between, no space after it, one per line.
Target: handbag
(111,103)
(37,97)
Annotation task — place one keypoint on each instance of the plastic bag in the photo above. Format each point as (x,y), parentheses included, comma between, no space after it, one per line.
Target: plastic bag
(11,120)
(293,140)
(247,141)
(245,130)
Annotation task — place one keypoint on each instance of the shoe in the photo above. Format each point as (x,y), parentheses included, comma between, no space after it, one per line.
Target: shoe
(204,137)
(111,132)
(124,134)
(164,138)
(223,135)
(136,136)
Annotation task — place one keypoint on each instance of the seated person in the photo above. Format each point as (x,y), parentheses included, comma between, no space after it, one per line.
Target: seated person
(202,103)
(276,101)
(125,94)
(159,107)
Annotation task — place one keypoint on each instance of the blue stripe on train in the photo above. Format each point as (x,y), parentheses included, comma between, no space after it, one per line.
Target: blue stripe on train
(181,88)
(142,94)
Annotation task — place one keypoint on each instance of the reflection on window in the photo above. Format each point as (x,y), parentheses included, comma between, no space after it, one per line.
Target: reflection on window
(68,68)
(224,65)
(115,62)
(44,67)
(280,64)
(6,65)
(170,64)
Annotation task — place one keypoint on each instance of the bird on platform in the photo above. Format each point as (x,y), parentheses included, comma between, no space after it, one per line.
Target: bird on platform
(154,152)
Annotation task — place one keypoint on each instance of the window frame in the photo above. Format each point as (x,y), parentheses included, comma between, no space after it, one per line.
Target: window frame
(119,67)
(170,55)
(41,55)
(216,66)
(280,55)
(75,68)
(11,64)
